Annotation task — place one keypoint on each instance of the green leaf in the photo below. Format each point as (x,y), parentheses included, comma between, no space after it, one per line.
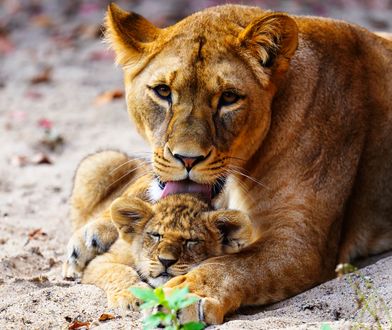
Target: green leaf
(160,294)
(193,326)
(145,294)
(177,296)
(186,302)
(149,304)
(151,322)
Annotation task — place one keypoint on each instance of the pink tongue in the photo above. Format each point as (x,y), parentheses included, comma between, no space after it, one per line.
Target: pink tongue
(186,186)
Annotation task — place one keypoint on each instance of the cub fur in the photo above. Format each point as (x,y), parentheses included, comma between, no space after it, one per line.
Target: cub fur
(160,241)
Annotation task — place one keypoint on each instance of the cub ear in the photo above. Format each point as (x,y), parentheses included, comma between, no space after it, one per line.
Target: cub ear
(130,215)
(235,227)
(271,38)
(129,34)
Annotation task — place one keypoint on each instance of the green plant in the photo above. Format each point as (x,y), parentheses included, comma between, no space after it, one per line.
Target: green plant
(166,307)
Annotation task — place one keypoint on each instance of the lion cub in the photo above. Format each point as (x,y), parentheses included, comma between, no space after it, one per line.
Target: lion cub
(163,240)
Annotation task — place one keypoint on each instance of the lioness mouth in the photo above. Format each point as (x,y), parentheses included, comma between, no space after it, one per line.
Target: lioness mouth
(206,191)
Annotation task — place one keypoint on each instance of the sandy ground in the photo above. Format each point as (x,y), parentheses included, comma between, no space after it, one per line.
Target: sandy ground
(34,226)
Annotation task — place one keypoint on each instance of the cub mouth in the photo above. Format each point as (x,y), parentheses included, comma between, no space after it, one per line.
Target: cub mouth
(206,191)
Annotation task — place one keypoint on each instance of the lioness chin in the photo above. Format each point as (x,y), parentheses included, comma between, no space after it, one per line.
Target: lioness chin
(285,118)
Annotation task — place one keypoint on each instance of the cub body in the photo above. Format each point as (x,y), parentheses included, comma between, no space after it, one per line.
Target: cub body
(160,241)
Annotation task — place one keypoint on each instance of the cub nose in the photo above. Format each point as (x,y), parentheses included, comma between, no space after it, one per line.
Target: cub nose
(167,262)
(189,162)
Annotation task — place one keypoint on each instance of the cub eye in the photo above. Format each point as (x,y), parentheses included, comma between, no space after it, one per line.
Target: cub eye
(228,98)
(163,91)
(191,243)
(155,236)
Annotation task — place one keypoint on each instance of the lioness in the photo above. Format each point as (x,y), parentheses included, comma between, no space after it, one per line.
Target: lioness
(163,240)
(285,118)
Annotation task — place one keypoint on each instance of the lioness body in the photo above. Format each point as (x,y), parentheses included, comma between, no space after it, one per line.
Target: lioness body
(305,148)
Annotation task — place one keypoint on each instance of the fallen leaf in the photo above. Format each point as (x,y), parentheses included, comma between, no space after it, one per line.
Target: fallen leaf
(105,317)
(79,325)
(44,76)
(108,96)
(36,233)
(41,158)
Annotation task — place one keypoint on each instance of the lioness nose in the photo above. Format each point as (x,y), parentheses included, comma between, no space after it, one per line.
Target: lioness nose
(189,162)
(167,262)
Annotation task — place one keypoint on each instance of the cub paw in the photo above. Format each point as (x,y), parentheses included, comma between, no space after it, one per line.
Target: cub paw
(207,309)
(85,244)
(124,300)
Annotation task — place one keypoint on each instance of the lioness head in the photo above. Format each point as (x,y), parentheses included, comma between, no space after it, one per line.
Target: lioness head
(174,235)
(200,91)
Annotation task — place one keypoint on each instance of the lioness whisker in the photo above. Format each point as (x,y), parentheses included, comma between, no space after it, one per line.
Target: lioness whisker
(127,173)
(249,177)
(129,161)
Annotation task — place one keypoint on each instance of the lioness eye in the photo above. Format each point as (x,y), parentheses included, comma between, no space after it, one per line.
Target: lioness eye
(163,91)
(191,242)
(155,236)
(228,98)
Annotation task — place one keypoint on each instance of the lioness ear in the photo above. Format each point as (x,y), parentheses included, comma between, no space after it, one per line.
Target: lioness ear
(235,228)
(130,215)
(270,38)
(129,34)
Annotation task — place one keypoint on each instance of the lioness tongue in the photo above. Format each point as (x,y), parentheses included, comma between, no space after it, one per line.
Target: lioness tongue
(187,186)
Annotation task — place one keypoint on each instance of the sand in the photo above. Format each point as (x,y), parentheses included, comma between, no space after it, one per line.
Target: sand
(33,199)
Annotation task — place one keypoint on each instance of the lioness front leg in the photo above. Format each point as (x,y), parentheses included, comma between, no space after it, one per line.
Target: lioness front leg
(269,271)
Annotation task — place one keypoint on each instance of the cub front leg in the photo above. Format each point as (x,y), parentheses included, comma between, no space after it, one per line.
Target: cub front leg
(113,273)
(86,243)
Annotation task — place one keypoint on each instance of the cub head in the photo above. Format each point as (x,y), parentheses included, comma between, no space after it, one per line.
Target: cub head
(171,237)
(200,91)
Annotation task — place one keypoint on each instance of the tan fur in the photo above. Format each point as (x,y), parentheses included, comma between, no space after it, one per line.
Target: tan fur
(179,228)
(307,149)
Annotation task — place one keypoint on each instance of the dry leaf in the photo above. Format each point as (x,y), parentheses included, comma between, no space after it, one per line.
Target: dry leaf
(36,233)
(79,325)
(108,96)
(105,317)
(44,76)
(41,158)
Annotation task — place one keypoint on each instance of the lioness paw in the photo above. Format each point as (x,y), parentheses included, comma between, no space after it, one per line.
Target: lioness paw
(85,244)
(207,309)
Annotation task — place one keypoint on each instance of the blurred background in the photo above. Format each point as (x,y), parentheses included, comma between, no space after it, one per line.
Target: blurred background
(61,98)
(64,21)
